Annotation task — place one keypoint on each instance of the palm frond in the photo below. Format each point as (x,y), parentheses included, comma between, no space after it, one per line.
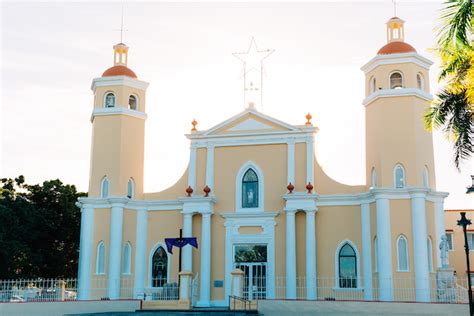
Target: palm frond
(456,23)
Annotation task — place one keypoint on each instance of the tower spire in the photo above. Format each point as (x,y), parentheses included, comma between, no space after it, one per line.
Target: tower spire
(394,8)
(121,25)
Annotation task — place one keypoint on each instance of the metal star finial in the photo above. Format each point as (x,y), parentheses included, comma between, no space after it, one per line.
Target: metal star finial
(253,58)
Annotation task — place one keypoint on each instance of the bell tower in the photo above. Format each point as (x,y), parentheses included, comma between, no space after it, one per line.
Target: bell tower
(399,151)
(118,130)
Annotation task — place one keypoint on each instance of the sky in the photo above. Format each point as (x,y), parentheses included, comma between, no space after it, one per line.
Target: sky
(51,51)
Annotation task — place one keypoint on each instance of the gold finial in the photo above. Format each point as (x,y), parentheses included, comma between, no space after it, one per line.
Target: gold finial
(308,118)
(194,123)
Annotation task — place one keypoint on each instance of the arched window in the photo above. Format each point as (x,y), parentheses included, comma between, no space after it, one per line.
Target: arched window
(430,254)
(132,102)
(420,83)
(100,258)
(373,177)
(399,177)
(127,258)
(109,100)
(104,188)
(373,85)
(250,189)
(159,269)
(347,267)
(426,182)
(396,80)
(402,253)
(130,188)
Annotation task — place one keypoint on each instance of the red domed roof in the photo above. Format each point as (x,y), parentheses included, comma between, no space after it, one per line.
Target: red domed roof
(396,48)
(119,70)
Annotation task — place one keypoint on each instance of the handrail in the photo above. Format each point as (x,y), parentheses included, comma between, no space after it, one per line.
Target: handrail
(241,299)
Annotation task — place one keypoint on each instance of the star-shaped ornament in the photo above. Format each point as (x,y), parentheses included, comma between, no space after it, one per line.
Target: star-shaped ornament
(253,58)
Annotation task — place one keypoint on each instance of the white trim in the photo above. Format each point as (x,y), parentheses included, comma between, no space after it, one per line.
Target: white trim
(291,162)
(150,264)
(390,59)
(85,252)
(290,248)
(336,267)
(430,253)
(117,110)
(128,260)
(97,257)
(192,168)
(310,161)
(403,237)
(210,168)
(118,81)
(238,188)
(385,93)
(366,239)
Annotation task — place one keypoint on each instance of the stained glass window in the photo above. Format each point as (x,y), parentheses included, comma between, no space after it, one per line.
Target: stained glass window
(250,189)
(159,267)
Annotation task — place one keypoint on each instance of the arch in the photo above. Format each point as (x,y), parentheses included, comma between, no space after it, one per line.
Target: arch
(426,182)
(373,85)
(133,102)
(420,81)
(347,265)
(255,188)
(100,258)
(131,188)
(399,176)
(373,178)
(109,100)
(104,187)
(396,80)
(402,254)
(127,258)
(429,244)
(159,274)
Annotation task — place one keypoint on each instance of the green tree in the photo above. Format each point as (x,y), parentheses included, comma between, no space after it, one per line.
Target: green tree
(453,108)
(39,229)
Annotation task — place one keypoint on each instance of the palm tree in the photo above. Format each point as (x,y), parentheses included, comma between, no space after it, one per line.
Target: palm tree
(453,108)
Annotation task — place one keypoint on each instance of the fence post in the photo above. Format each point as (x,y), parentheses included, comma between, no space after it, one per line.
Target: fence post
(185,278)
(237,282)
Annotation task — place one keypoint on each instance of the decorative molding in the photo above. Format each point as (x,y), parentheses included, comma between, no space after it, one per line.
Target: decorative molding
(249,125)
(198,204)
(401,58)
(117,110)
(118,81)
(301,201)
(403,92)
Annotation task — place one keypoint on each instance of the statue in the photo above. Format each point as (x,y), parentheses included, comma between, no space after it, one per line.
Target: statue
(443,247)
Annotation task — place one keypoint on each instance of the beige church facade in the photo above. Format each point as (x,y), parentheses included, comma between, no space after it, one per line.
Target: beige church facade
(255,197)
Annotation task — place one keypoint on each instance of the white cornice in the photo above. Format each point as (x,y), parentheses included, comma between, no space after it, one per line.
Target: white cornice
(390,59)
(237,215)
(118,81)
(386,93)
(117,110)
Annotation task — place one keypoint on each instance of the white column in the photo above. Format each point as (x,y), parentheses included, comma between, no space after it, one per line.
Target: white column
(440,228)
(311,292)
(205,293)
(115,256)
(290,255)
(420,248)
(192,168)
(366,251)
(210,167)
(85,252)
(384,249)
(291,162)
(188,249)
(309,161)
(140,252)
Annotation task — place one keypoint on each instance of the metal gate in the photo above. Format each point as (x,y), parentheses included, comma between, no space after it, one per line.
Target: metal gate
(194,290)
(255,279)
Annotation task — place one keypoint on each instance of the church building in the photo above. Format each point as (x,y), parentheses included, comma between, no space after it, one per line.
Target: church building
(256,199)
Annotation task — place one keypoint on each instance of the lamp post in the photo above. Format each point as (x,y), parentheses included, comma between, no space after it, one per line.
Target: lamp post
(464,222)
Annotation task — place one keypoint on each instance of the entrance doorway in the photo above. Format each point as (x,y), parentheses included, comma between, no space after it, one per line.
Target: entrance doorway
(252,260)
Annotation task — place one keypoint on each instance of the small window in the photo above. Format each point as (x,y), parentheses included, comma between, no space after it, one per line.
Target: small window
(100,258)
(104,188)
(449,240)
(347,267)
(109,100)
(470,239)
(399,177)
(419,81)
(426,182)
(429,244)
(127,258)
(396,80)
(373,85)
(130,188)
(159,272)
(402,253)
(250,189)
(132,102)
(374,178)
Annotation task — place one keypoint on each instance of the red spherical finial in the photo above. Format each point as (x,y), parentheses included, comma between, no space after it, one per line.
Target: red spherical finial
(206,190)
(290,188)
(189,190)
(309,187)
(308,119)
(194,123)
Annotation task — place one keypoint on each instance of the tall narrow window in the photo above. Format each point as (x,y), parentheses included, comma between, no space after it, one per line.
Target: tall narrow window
(132,102)
(399,177)
(127,258)
(396,80)
(159,272)
(373,178)
(130,188)
(419,81)
(373,85)
(109,100)
(426,182)
(104,188)
(250,189)
(430,254)
(402,253)
(449,240)
(100,258)
(347,267)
